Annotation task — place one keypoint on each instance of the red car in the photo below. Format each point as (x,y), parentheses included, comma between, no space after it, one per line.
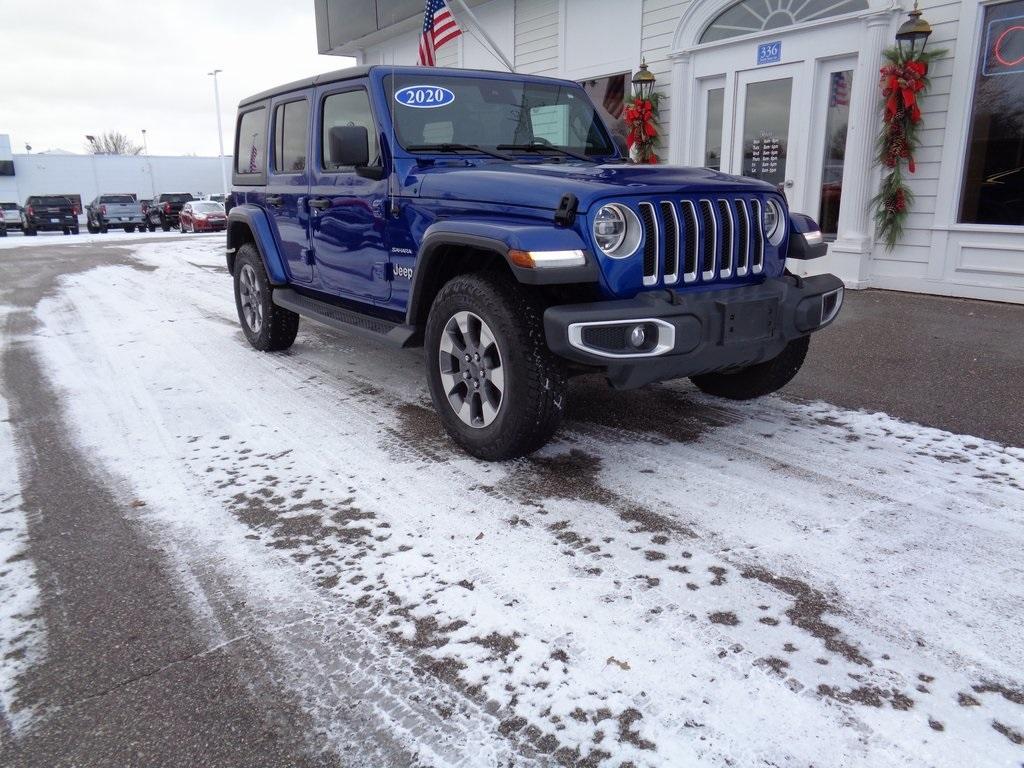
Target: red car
(202,216)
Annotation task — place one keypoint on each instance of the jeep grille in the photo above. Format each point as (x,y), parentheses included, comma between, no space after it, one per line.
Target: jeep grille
(703,240)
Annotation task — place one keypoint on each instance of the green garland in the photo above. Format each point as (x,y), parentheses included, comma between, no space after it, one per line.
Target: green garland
(902,79)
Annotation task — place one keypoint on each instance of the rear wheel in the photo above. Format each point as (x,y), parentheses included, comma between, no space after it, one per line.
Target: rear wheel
(268,327)
(498,389)
(92,228)
(30,231)
(130,228)
(757,380)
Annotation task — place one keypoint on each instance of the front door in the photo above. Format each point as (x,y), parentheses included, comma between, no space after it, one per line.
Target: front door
(784,122)
(288,184)
(765,129)
(348,211)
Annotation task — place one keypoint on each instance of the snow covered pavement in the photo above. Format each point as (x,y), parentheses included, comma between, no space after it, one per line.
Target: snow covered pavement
(675,581)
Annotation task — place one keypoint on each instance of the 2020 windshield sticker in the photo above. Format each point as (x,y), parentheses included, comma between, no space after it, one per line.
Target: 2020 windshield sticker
(424,96)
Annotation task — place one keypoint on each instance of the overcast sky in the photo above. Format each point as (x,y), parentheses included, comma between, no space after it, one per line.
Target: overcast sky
(74,68)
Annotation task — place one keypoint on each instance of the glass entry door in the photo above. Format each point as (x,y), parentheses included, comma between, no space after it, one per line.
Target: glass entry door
(767,144)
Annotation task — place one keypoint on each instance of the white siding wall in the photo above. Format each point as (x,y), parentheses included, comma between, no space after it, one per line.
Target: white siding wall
(911,257)
(90,175)
(659,24)
(536,48)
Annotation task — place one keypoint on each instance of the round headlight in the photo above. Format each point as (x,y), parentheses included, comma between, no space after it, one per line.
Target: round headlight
(609,228)
(773,218)
(617,231)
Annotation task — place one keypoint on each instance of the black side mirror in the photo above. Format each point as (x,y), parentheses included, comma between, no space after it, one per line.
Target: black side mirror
(350,146)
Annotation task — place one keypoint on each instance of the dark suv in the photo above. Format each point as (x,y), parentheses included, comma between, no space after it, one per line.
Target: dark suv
(49,213)
(163,210)
(490,217)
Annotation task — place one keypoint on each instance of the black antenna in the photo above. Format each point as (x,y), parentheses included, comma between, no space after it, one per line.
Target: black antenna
(392,177)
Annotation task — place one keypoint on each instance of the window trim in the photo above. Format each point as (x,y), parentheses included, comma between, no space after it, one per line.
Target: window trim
(259,177)
(273,136)
(769,32)
(321,166)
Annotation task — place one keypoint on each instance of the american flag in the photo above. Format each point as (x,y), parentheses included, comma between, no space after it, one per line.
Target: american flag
(439,27)
(840,93)
(252,155)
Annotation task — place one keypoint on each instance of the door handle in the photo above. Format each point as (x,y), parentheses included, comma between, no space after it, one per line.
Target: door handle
(320,203)
(274,199)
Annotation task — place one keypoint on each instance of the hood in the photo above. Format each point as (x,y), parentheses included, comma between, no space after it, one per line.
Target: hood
(542,185)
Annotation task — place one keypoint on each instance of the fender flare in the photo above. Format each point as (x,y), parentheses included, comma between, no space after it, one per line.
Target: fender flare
(255,219)
(498,238)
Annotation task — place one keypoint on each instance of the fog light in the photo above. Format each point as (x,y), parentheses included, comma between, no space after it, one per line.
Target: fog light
(637,336)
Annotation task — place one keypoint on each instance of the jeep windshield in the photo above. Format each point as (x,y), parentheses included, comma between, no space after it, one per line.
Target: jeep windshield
(494,116)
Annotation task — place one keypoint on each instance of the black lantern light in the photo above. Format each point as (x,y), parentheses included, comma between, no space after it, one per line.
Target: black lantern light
(913,35)
(643,82)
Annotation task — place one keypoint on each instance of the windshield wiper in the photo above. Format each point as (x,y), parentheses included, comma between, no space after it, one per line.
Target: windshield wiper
(539,147)
(447,147)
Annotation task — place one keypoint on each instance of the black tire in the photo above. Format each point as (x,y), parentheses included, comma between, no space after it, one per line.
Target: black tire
(104,229)
(30,231)
(757,380)
(3,233)
(534,379)
(129,228)
(92,228)
(75,230)
(278,326)
(181,228)
(165,226)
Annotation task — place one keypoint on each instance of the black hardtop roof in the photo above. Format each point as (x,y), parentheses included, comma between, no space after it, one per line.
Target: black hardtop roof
(352,73)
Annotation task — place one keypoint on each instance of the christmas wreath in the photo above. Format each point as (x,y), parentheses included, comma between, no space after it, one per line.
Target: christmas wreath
(641,121)
(903,81)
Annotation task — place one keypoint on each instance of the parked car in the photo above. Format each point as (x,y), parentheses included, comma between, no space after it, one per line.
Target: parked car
(202,216)
(49,213)
(121,211)
(449,208)
(164,209)
(11,215)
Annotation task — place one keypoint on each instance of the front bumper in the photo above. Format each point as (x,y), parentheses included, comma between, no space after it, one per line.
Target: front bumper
(685,334)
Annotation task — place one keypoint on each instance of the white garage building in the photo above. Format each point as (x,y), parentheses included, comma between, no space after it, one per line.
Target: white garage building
(801,76)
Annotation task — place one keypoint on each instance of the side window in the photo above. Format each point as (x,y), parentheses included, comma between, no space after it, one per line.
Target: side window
(291,128)
(348,108)
(250,149)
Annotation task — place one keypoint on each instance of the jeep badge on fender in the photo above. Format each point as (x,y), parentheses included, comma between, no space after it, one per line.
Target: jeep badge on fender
(490,218)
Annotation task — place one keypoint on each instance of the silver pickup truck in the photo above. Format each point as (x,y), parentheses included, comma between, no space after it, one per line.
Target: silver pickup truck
(121,211)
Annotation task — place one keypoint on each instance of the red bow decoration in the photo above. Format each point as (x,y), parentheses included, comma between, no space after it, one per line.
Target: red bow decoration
(639,117)
(903,83)
(900,85)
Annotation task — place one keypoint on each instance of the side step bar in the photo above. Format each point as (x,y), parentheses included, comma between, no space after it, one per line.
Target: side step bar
(394,334)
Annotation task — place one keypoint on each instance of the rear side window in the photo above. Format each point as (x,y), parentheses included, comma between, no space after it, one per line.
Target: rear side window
(50,201)
(291,131)
(9,206)
(177,198)
(250,149)
(117,199)
(348,108)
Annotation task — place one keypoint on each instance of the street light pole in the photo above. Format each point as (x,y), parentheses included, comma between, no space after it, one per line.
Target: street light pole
(220,132)
(145,146)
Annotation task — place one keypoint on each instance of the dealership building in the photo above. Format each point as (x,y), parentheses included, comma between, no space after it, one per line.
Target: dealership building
(787,91)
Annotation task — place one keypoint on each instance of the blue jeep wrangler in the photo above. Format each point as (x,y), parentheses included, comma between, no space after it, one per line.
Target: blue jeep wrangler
(490,218)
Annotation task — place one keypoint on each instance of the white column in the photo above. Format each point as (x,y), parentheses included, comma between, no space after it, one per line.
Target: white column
(850,254)
(680,99)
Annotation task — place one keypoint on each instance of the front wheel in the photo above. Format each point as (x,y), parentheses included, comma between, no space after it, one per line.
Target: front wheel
(757,380)
(268,327)
(498,389)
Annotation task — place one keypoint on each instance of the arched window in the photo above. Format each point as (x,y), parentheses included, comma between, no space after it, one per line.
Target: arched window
(749,16)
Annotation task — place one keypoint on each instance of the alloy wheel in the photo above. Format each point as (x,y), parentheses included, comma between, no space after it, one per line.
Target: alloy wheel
(251,298)
(471,369)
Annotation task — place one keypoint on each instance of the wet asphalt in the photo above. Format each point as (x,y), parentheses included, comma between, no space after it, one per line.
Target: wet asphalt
(131,678)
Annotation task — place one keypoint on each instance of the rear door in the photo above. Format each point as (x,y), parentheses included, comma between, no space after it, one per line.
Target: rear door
(348,220)
(287,188)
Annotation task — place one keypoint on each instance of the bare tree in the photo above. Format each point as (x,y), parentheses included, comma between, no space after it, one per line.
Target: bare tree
(112,143)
